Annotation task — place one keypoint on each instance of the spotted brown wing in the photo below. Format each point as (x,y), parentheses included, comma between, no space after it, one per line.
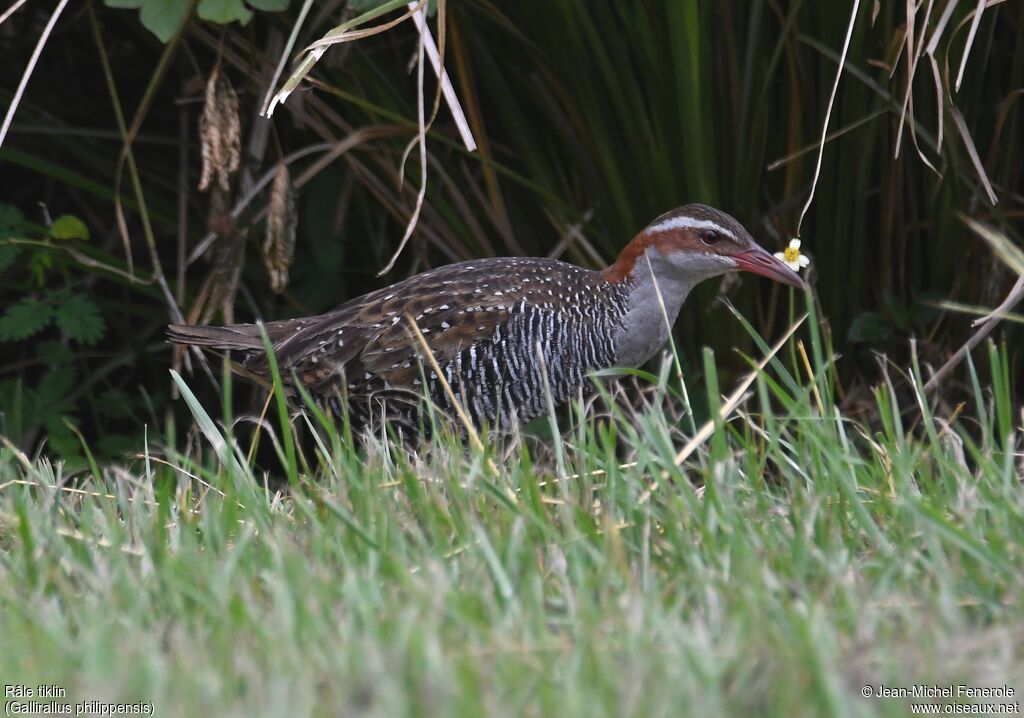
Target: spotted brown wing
(368,343)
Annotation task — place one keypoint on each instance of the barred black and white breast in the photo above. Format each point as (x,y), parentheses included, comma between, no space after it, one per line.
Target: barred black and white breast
(495,326)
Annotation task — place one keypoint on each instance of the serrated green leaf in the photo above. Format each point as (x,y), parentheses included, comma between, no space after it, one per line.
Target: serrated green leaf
(8,253)
(56,386)
(269,5)
(114,403)
(27,317)
(80,319)
(68,226)
(60,438)
(11,220)
(54,352)
(224,11)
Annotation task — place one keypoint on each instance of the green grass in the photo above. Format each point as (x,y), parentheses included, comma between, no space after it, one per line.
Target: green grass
(798,556)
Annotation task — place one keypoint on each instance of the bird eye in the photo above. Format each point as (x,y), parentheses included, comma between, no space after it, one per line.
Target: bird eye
(710,237)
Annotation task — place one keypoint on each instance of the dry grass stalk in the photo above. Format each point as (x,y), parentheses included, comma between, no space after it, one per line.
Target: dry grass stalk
(220,132)
(972,153)
(420,19)
(346,32)
(279,244)
(36,53)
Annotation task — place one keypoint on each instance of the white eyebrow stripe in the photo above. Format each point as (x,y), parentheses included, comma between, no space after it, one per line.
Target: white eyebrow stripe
(689,223)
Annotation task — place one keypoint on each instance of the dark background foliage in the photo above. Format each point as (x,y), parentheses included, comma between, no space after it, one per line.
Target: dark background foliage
(592,119)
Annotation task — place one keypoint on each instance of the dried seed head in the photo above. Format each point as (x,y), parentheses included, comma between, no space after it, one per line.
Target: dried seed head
(228,257)
(228,276)
(279,245)
(220,131)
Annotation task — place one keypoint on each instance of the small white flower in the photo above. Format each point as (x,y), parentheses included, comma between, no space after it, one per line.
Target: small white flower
(792,257)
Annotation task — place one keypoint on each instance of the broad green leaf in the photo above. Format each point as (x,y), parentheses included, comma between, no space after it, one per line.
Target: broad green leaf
(898,310)
(269,5)
(27,317)
(869,327)
(38,265)
(68,226)
(8,253)
(160,17)
(11,220)
(79,318)
(224,11)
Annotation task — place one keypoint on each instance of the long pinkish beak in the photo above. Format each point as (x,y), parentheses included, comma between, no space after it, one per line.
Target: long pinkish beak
(758,261)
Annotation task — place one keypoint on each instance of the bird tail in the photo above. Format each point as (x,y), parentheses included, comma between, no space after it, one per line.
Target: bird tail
(243,337)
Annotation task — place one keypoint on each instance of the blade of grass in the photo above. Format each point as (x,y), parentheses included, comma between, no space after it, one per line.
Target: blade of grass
(209,429)
(283,418)
(734,399)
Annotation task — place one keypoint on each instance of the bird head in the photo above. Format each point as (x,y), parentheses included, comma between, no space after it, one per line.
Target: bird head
(698,242)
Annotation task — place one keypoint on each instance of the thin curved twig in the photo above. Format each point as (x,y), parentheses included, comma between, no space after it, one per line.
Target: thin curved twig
(828,114)
(16,100)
